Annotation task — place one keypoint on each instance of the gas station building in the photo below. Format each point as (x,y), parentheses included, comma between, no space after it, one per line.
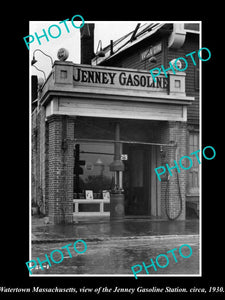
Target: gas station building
(101,127)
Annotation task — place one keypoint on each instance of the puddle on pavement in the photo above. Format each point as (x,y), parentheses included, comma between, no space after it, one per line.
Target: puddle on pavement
(118,257)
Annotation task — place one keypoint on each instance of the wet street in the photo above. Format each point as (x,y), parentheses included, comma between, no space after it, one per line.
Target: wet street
(117,256)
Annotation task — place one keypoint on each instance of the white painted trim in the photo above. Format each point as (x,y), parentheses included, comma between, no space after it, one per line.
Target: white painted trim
(101,211)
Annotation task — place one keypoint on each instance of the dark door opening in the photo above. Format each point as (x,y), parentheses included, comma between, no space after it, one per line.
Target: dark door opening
(137,180)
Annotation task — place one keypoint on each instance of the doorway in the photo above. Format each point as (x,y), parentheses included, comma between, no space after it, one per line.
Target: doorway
(137,179)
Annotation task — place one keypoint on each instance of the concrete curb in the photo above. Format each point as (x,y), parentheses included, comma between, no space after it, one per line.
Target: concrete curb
(109,239)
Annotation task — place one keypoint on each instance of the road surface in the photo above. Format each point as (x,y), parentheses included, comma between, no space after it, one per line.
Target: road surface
(118,255)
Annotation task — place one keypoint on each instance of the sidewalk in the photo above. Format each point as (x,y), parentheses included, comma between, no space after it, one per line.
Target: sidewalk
(98,229)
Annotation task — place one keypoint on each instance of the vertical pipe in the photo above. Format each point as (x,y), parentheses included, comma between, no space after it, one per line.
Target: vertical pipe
(115,179)
(120,179)
(117,152)
(117,138)
(117,199)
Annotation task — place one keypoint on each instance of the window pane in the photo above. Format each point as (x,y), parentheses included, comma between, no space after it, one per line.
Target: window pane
(191,138)
(96,174)
(195,141)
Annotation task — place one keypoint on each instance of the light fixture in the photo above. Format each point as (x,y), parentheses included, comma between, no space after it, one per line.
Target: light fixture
(100,53)
(62,54)
(34,60)
(152,59)
(162,152)
(176,63)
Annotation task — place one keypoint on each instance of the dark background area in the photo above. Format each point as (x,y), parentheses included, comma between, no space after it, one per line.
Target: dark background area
(15,151)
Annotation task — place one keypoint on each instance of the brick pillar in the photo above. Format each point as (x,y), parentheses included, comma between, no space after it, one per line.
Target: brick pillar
(60,169)
(174,190)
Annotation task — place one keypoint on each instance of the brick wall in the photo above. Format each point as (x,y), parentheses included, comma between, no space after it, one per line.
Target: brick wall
(60,168)
(34,144)
(38,138)
(171,194)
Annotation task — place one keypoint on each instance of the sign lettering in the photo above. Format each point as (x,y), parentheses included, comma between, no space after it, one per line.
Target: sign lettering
(118,79)
(151,51)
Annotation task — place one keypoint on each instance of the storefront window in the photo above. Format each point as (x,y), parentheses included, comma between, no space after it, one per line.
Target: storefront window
(95,174)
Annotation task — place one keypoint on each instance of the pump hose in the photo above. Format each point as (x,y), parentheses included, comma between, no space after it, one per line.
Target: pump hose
(166,200)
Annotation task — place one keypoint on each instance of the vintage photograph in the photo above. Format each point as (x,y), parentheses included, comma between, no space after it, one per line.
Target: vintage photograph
(115,133)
